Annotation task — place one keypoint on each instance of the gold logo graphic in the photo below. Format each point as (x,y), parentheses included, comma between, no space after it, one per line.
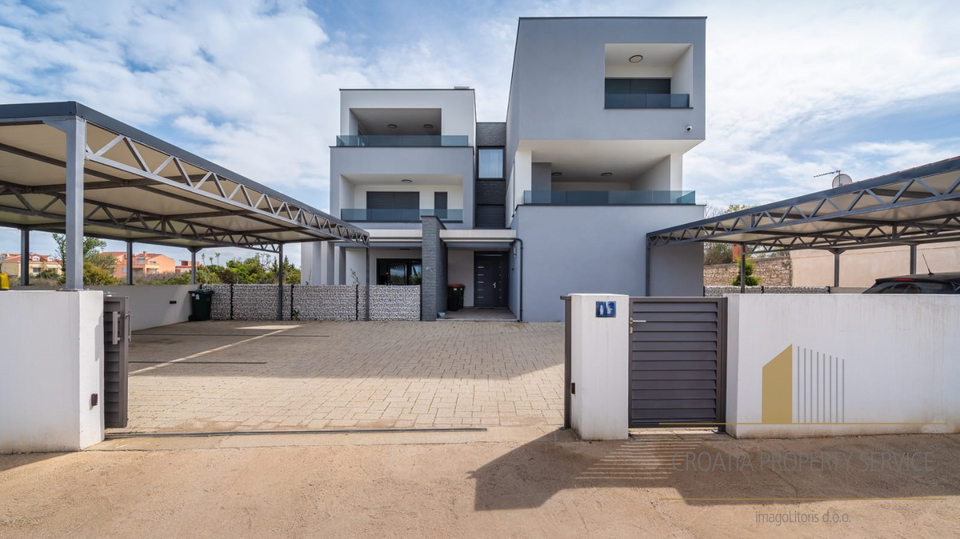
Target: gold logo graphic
(803,386)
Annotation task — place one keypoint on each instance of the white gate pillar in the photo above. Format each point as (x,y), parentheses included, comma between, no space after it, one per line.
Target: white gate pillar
(600,365)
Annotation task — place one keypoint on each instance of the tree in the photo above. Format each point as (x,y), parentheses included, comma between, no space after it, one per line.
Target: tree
(748,273)
(92,252)
(95,275)
(98,267)
(717,253)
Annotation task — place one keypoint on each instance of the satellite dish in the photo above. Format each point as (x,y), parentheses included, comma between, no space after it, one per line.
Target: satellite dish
(841,179)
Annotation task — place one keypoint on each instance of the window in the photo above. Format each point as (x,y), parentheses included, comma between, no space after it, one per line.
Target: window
(389,200)
(399,272)
(490,163)
(440,200)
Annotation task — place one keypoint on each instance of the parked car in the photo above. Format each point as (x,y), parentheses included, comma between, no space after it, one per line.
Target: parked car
(940,283)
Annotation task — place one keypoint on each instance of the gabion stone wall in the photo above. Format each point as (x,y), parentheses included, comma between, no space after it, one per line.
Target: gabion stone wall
(220,309)
(394,303)
(315,302)
(717,291)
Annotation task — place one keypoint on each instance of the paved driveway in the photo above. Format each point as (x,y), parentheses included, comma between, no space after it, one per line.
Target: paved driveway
(251,376)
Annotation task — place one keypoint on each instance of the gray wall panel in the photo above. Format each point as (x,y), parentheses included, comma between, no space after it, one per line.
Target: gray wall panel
(596,249)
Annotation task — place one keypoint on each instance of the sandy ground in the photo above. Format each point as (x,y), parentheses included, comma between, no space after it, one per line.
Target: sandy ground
(507,482)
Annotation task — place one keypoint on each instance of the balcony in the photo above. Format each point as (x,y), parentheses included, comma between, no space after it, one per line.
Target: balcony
(645,101)
(608,198)
(403,141)
(364,215)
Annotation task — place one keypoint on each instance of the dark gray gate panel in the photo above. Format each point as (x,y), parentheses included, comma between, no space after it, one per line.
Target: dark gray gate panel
(677,358)
(116,339)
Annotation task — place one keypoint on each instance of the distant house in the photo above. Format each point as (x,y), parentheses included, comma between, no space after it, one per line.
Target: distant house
(10,264)
(147,264)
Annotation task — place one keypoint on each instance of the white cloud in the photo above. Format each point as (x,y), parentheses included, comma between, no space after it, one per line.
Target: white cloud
(253,85)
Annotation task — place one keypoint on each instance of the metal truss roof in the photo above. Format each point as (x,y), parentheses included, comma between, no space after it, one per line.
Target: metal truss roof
(139,188)
(918,205)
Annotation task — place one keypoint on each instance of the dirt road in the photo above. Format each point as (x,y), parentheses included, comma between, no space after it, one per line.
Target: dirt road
(504,483)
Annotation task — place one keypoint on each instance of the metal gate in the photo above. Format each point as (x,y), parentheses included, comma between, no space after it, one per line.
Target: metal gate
(116,342)
(677,361)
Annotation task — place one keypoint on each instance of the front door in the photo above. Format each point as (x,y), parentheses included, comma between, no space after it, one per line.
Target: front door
(490,274)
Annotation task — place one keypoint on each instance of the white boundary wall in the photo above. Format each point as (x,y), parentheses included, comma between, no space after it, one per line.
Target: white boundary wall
(895,363)
(150,305)
(50,366)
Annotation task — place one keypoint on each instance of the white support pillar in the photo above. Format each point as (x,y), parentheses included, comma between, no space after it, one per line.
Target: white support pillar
(600,366)
(76,130)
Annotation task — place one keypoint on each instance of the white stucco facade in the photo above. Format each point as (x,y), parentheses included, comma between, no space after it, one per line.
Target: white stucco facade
(52,368)
(859,364)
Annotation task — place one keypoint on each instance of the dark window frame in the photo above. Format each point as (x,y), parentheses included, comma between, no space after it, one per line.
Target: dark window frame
(410,278)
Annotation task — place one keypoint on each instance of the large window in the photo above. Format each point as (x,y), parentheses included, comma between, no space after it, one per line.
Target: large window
(399,272)
(490,163)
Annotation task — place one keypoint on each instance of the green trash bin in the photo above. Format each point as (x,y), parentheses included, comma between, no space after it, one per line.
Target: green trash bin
(201,303)
(455,297)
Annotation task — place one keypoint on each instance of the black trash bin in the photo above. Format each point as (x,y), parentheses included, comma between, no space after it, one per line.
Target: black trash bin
(201,303)
(455,297)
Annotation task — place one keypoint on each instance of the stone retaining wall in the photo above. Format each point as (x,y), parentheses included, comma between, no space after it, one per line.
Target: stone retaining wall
(777,271)
(314,302)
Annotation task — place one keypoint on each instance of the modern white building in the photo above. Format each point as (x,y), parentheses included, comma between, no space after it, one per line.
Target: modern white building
(556,199)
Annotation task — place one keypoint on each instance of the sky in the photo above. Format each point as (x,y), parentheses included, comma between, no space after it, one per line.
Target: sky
(794,89)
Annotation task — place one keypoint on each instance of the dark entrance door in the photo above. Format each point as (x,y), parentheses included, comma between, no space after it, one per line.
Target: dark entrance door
(490,271)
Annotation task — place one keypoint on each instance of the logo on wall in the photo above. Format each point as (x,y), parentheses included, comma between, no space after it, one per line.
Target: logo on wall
(802,386)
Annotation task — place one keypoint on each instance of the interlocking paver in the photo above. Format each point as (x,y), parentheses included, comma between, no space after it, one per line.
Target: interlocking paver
(347,374)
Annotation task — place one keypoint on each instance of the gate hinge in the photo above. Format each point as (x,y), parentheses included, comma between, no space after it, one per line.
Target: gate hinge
(631,325)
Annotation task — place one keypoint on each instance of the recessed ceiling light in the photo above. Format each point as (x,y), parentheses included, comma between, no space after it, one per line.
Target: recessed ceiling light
(428,126)
(392,126)
(606,174)
(406,180)
(556,173)
(636,58)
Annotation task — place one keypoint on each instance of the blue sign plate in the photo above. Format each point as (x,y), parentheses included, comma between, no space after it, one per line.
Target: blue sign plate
(606,309)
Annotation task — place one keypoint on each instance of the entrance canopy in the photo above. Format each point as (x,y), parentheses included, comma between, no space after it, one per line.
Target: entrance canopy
(64,166)
(918,205)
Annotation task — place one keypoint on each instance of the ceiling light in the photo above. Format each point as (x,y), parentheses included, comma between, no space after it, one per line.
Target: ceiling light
(636,58)
(406,180)
(428,126)
(392,126)
(556,173)
(606,174)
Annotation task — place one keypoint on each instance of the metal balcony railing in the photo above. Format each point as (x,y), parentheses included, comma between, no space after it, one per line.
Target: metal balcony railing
(403,141)
(608,198)
(646,101)
(365,215)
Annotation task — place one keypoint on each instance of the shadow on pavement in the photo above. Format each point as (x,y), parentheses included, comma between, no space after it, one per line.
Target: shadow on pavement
(532,474)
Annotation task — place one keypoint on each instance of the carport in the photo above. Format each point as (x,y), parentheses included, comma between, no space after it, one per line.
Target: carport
(67,168)
(910,207)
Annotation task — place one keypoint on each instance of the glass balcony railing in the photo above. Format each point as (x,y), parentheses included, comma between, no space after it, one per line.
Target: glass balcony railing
(608,198)
(646,101)
(402,141)
(364,215)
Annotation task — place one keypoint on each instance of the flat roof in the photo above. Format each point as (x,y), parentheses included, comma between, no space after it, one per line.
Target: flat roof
(140,188)
(913,206)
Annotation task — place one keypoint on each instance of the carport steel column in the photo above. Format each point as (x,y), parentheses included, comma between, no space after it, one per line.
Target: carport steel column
(129,263)
(24,257)
(280,282)
(76,130)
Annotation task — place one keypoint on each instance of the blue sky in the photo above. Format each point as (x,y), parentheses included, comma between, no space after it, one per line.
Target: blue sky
(793,89)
